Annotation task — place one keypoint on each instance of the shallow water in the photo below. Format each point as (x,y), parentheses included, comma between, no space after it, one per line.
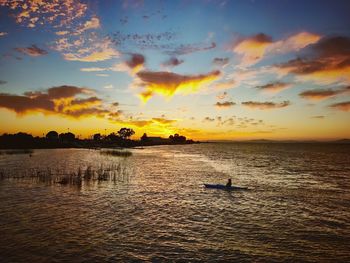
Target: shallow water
(297,207)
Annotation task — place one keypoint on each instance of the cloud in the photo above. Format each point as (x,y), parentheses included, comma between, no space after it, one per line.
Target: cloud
(3,34)
(93,23)
(322,94)
(273,87)
(61,100)
(294,43)
(265,105)
(110,86)
(86,48)
(168,84)
(221,61)
(222,96)
(224,85)
(3,82)
(208,119)
(342,106)
(225,104)
(253,49)
(326,62)
(172,62)
(33,51)
(135,62)
(31,13)
(190,48)
(93,69)
(317,117)
(102,75)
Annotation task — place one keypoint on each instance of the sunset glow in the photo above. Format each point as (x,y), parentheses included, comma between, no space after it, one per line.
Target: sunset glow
(209,70)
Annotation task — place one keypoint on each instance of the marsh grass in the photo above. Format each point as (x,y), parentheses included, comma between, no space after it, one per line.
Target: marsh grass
(119,153)
(19,151)
(111,173)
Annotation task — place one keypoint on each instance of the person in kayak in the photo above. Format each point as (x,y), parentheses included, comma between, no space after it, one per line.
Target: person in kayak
(229,183)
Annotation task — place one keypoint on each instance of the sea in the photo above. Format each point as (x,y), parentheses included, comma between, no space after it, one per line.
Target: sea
(152,206)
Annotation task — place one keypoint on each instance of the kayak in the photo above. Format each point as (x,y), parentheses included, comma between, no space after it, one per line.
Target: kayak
(224,187)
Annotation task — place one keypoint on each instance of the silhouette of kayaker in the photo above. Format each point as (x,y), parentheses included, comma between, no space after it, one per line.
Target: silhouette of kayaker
(229,183)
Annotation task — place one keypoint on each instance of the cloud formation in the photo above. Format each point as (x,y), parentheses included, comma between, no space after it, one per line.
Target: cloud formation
(61,100)
(322,94)
(172,62)
(342,106)
(221,61)
(253,49)
(225,104)
(33,51)
(3,34)
(274,87)
(168,84)
(225,85)
(3,82)
(327,61)
(31,13)
(265,105)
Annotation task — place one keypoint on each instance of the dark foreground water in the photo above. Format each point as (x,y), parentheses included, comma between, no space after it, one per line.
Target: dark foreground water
(156,209)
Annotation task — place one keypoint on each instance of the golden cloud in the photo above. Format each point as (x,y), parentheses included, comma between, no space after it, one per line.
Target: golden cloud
(60,100)
(168,84)
(327,62)
(31,13)
(254,48)
(342,106)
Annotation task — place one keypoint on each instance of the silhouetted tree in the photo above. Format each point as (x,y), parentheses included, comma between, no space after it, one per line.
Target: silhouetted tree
(52,136)
(113,137)
(67,137)
(177,138)
(97,136)
(125,133)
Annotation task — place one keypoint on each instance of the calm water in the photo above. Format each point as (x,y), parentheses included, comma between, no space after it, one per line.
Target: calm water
(297,208)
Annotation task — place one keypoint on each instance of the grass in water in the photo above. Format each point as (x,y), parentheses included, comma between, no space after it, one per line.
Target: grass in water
(19,151)
(119,153)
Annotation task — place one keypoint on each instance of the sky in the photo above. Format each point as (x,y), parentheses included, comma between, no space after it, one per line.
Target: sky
(208,70)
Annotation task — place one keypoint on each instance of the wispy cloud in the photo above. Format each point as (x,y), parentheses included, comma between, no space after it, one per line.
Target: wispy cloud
(3,34)
(265,105)
(273,87)
(322,94)
(254,48)
(33,51)
(172,62)
(341,106)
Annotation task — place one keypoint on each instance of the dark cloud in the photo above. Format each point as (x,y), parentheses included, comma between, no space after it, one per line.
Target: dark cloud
(60,100)
(221,61)
(135,60)
(225,104)
(342,106)
(273,87)
(172,62)
(330,54)
(321,94)
(33,51)
(208,119)
(3,82)
(265,105)
(317,117)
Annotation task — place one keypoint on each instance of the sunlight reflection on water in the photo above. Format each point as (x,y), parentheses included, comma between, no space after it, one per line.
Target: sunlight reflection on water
(297,208)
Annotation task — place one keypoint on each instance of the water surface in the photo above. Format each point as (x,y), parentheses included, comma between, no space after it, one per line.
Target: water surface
(297,208)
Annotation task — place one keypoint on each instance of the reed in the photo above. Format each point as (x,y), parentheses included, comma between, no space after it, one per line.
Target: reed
(119,153)
(111,173)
